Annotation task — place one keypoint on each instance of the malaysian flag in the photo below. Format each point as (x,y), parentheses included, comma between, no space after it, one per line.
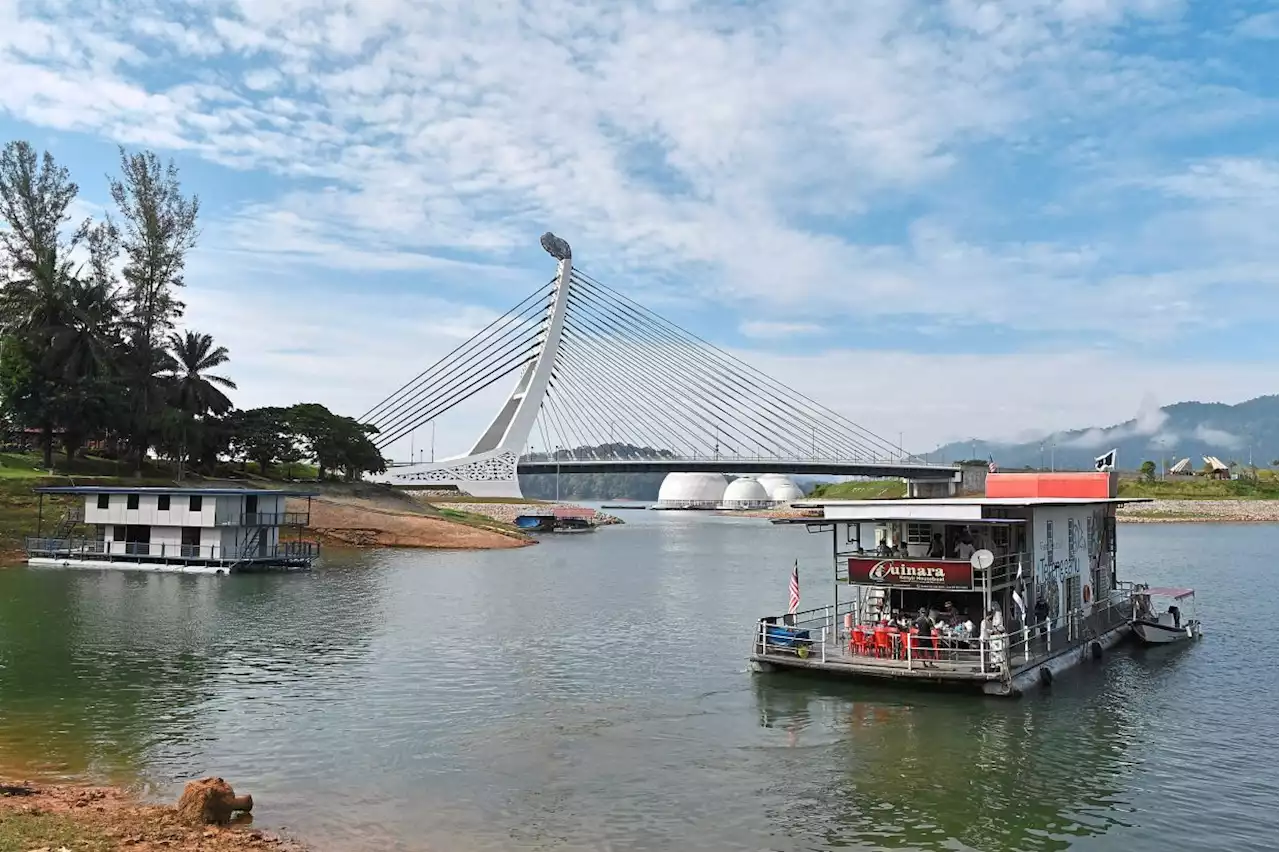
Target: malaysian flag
(795,588)
(991,465)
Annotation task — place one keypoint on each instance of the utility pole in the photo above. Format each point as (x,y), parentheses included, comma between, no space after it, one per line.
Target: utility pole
(557,473)
(433,441)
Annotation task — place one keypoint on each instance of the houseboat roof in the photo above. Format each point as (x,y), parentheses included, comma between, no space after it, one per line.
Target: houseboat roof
(210,492)
(943,509)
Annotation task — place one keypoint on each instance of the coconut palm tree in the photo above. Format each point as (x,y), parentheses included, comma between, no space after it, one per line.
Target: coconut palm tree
(195,392)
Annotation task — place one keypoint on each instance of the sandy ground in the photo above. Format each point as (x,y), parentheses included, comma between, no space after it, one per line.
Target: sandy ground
(386,522)
(48,818)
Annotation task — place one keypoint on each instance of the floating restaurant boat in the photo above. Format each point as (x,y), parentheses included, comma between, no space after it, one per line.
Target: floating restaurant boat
(1162,628)
(185,530)
(1030,568)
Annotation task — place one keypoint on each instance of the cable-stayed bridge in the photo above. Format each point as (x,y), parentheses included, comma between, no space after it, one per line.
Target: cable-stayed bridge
(599,377)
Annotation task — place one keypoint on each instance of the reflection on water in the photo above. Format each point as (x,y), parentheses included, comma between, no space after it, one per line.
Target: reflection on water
(591,693)
(927,772)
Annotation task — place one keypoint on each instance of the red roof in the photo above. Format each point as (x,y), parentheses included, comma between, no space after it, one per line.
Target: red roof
(1075,485)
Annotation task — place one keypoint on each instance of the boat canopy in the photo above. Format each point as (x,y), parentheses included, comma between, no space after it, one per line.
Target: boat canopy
(1167,592)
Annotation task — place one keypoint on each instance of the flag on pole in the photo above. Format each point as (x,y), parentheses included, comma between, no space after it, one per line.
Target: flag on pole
(991,465)
(1106,461)
(795,588)
(1019,592)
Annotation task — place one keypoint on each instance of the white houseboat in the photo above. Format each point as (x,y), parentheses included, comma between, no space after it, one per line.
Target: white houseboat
(190,530)
(995,593)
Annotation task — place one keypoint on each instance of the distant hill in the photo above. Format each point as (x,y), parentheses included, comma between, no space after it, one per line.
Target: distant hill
(1185,429)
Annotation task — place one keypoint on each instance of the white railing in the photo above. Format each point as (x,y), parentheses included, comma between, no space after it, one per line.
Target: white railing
(90,548)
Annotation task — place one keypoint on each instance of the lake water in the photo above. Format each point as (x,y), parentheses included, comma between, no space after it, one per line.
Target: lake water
(591,693)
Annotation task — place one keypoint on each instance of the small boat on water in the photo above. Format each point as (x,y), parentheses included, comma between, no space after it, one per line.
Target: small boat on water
(1155,627)
(561,519)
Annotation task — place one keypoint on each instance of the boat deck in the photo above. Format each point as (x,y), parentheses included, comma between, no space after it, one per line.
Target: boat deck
(815,645)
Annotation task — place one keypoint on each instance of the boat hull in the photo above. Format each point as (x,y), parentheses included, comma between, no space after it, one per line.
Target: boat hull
(1151,633)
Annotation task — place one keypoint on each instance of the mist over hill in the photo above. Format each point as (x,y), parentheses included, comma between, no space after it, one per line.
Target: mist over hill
(1240,432)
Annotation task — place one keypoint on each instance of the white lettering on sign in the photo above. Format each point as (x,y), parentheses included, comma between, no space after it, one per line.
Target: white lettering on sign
(886,568)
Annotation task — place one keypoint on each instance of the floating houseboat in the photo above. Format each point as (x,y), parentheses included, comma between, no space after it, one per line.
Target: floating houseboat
(995,594)
(189,530)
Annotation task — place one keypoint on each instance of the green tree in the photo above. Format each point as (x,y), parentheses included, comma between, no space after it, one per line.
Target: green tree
(159,228)
(335,442)
(1148,470)
(195,392)
(35,304)
(260,435)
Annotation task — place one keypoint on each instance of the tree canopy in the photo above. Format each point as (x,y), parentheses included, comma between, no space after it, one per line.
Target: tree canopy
(87,354)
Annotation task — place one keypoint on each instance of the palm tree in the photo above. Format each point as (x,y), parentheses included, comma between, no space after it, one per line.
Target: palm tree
(195,392)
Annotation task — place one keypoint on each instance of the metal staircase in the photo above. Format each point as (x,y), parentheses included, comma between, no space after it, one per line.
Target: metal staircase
(69,520)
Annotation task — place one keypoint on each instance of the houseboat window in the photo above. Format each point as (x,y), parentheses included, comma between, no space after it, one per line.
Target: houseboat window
(117,533)
(197,503)
(162,502)
(251,504)
(919,533)
(104,501)
(131,501)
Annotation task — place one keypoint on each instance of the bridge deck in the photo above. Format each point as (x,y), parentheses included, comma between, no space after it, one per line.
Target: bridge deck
(799,467)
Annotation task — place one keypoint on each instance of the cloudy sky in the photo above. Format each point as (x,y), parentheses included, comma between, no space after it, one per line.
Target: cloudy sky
(945,219)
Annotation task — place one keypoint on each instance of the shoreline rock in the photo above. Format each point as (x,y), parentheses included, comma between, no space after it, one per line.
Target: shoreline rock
(80,815)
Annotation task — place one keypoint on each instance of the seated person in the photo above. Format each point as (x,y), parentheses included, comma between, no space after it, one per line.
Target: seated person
(964,547)
(937,550)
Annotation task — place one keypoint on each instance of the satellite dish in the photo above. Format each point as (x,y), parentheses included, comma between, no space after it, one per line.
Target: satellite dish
(982,559)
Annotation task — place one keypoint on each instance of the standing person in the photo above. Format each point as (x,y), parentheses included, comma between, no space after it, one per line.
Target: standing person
(964,547)
(937,550)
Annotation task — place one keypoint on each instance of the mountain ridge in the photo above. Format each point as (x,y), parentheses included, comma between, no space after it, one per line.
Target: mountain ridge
(1241,432)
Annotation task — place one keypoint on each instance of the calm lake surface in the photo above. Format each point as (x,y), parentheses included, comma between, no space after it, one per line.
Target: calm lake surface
(592,693)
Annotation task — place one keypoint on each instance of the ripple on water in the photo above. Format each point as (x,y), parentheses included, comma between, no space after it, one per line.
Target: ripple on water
(590,695)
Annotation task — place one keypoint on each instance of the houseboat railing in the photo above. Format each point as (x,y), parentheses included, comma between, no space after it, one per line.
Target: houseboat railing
(266,519)
(821,635)
(90,548)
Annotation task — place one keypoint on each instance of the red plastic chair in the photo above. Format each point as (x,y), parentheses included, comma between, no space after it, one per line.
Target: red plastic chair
(884,645)
(913,643)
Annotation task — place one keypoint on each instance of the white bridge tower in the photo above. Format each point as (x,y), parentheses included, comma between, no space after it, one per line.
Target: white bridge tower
(489,469)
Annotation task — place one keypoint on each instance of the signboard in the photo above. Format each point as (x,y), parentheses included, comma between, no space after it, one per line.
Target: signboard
(953,574)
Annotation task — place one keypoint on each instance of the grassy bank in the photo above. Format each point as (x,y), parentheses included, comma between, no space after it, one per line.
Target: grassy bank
(870,489)
(1202,488)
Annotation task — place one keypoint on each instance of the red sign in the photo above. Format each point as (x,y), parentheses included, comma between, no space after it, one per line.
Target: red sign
(911,573)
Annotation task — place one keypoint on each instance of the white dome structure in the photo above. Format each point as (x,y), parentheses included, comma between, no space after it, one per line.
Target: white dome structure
(691,491)
(745,493)
(781,489)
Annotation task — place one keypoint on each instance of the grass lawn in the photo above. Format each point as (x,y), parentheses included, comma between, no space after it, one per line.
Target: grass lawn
(21,831)
(870,489)
(1201,488)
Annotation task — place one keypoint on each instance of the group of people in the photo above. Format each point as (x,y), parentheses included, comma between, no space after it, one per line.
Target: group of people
(957,623)
(964,547)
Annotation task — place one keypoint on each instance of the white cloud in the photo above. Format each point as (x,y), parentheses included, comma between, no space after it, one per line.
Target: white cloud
(681,138)
(1264,25)
(1217,437)
(768,329)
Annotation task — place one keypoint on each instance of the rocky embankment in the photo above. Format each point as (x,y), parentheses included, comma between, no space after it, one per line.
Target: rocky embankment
(1201,511)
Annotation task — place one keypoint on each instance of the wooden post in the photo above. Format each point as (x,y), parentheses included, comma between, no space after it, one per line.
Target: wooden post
(40,515)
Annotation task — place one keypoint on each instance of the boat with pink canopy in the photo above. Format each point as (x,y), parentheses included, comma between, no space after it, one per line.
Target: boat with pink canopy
(1158,617)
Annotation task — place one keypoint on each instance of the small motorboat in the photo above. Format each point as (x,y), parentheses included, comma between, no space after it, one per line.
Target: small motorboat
(1158,617)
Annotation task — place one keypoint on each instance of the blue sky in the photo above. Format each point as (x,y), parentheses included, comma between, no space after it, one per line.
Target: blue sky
(945,219)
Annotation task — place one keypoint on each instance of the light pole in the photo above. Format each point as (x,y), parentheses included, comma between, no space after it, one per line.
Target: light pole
(557,473)
(433,441)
